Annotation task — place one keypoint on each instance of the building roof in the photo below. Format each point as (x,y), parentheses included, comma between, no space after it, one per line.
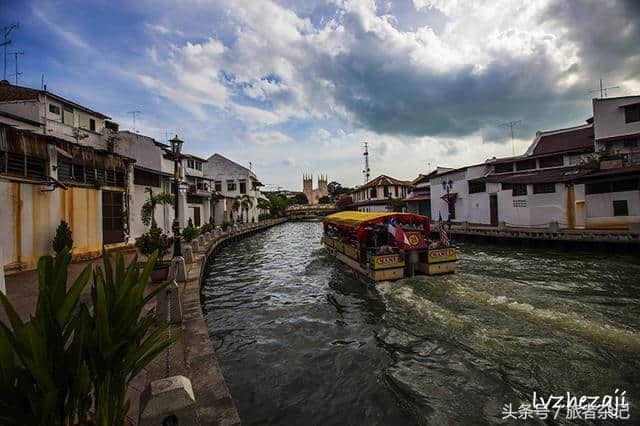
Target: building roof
(9,93)
(610,172)
(418,196)
(564,140)
(563,174)
(383,180)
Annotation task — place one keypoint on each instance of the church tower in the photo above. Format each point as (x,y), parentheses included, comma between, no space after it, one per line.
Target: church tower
(322,186)
(307,183)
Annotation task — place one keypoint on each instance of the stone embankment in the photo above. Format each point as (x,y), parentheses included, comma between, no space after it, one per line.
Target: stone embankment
(589,238)
(186,382)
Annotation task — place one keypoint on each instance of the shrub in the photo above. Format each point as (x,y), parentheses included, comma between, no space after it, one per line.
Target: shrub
(63,238)
(154,240)
(189,232)
(207,227)
(225,225)
(67,359)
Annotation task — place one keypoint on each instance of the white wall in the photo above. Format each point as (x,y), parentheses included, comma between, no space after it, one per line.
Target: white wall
(608,117)
(601,205)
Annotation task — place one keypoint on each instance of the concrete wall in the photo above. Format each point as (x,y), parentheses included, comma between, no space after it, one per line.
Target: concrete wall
(31,216)
(600,210)
(26,109)
(608,117)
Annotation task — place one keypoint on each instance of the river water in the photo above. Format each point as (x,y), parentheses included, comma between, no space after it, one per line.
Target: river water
(302,339)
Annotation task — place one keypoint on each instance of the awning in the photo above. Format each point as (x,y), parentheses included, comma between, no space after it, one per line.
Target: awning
(418,197)
(452,196)
(357,219)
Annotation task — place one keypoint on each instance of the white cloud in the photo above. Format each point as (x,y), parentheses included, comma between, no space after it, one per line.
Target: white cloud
(69,36)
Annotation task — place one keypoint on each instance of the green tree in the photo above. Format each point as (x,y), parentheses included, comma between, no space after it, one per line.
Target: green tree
(324,200)
(301,199)
(63,238)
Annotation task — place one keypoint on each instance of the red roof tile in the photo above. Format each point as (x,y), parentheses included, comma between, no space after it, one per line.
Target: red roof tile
(572,140)
(10,93)
(383,180)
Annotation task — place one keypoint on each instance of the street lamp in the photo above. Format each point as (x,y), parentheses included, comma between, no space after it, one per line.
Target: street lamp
(176,146)
(447,186)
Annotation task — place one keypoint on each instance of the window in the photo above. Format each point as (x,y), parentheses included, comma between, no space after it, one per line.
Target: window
(143,177)
(54,109)
(504,168)
(526,165)
(631,143)
(373,193)
(22,165)
(243,187)
(475,187)
(620,208)
(385,190)
(632,113)
(519,189)
(396,191)
(67,115)
(190,163)
(218,186)
(231,185)
(553,161)
(544,188)
(92,124)
(198,165)
(615,186)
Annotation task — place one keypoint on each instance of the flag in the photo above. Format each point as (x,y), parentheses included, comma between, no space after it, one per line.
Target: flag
(444,238)
(395,229)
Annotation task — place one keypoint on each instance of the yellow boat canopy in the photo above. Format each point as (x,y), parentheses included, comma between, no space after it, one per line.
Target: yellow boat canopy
(357,219)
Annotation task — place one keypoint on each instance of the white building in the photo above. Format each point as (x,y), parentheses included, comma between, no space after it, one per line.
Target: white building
(235,184)
(49,114)
(376,195)
(531,190)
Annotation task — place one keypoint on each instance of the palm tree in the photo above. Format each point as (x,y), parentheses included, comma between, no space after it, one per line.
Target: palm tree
(246,202)
(148,210)
(235,206)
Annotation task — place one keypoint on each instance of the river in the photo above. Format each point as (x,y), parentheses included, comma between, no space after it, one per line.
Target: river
(302,339)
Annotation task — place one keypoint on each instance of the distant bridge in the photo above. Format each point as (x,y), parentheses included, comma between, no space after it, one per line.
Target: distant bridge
(309,211)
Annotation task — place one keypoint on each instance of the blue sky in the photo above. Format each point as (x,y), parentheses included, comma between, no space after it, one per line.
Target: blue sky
(297,86)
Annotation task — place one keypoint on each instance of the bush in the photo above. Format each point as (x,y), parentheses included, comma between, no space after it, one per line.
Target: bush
(63,238)
(225,225)
(189,232)
(154,240)
(207,227)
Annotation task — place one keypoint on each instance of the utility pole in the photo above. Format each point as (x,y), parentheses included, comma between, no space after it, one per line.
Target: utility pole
(15,54)
(366,163)
(6,42)
(603,90)
(510,125)
(134,113)
(250,164)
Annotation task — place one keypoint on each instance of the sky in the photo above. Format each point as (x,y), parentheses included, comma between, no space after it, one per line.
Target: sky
(297,86)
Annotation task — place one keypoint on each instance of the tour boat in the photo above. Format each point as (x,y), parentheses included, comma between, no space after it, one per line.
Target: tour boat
(387,246)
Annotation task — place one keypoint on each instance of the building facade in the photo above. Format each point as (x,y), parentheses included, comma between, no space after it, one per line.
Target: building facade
(237,189)
(378,194)
(314,195)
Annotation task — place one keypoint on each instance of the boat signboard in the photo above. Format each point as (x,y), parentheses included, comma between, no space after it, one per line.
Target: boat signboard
(446,254)
(386,261)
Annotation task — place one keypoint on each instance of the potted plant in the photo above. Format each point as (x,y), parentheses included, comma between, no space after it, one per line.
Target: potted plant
(70,364)
(156,241)
(189,232)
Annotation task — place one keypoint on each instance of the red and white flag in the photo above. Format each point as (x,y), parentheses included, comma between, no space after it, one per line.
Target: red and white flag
(395,229)
(444,238)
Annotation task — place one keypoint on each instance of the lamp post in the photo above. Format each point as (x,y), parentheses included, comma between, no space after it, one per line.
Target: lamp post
(176,146)
(447,186)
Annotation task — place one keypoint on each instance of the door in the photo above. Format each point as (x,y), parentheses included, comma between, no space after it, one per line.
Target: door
(493,209)
(112,220)
(196,216)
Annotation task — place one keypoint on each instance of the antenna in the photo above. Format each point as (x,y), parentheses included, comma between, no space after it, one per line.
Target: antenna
(603,90)
(250,164)
(510,125)
(6,42)
(134,113)
(42,82)
(15,54)
(366,163)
